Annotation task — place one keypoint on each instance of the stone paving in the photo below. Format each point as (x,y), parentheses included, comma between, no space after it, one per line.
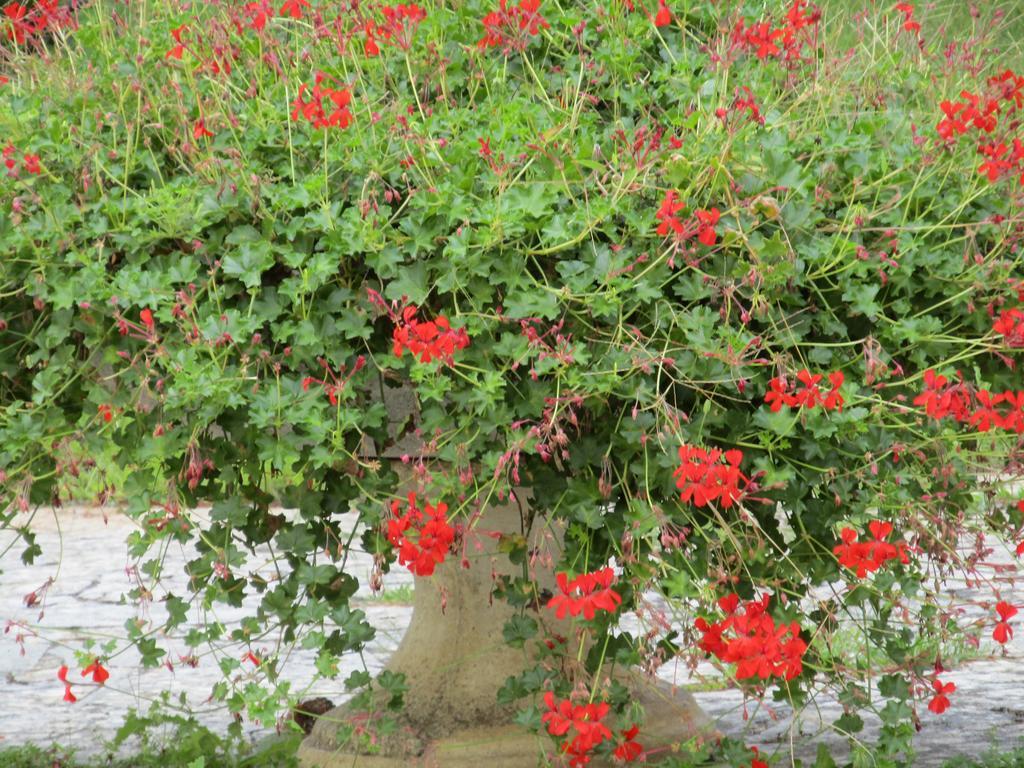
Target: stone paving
(85,553)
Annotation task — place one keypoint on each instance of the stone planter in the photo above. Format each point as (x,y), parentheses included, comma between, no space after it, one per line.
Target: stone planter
(455,659)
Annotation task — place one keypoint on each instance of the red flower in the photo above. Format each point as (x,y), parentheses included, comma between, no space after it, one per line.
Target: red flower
(706,230)
(702,479)
(756,761)
(582,721)
(588,593)
(428,340)
(199,130)
(752,640)
(179,47)
(400,23)
(259,14)
(313,110)
(146,316)
(667,215)
(810,396)
(370,47)
(909,24)
(252,658)
(664,16)
(1003,631)
(434,536)
(293,8)
(629,750)
(762,37)
(18,28)
(62,675)
(864,557)
(940,702)
(105,413)
(99,674)
(1011,326)
(31,164)
(511,28)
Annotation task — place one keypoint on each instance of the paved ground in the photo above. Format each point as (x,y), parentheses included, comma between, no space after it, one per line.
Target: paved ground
(88,558)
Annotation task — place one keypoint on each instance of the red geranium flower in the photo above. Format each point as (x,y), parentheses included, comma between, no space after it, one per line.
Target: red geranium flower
(583,721)
(18,28)
(629,750)
(864,557)
(667,214)
(294,8)
(99,674)
(940,702)
(62,675)
(588,593)
(400,23)
(751,639)
(664,16)
(314,111)
(259,14)
(428,340)
(199,130)
(512,27)
(706,230)
(434,536)
(179,47)
(1003,632)
(702,478)
(1011,326)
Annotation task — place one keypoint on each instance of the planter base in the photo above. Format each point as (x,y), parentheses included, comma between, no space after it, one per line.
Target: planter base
(672,718)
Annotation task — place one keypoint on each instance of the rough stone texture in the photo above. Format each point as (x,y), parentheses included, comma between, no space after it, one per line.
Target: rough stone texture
(85,601)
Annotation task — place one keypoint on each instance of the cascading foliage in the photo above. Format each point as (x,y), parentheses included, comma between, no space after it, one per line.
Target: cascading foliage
(733,288)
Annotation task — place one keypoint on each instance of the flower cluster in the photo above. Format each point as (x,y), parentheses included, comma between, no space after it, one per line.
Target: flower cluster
(23,23)
(427,340)
(1003,631)
(400,23)
(433,539)
(786,41)
(702,478)
(293,8)
(588,593)
(337,101)
(910,24)
(978,408)
(512,28)
(809,396)
(580,722)
(864,557)
(702,223)
(981,113)
(750,639)
(29,163)
(1010,325)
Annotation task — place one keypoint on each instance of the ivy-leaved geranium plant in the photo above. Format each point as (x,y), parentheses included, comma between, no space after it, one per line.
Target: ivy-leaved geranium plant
(740,304)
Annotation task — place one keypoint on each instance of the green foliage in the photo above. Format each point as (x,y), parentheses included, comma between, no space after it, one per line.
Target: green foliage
(514,193)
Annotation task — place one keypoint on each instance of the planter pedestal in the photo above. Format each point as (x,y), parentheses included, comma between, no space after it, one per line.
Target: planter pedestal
(455,660)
